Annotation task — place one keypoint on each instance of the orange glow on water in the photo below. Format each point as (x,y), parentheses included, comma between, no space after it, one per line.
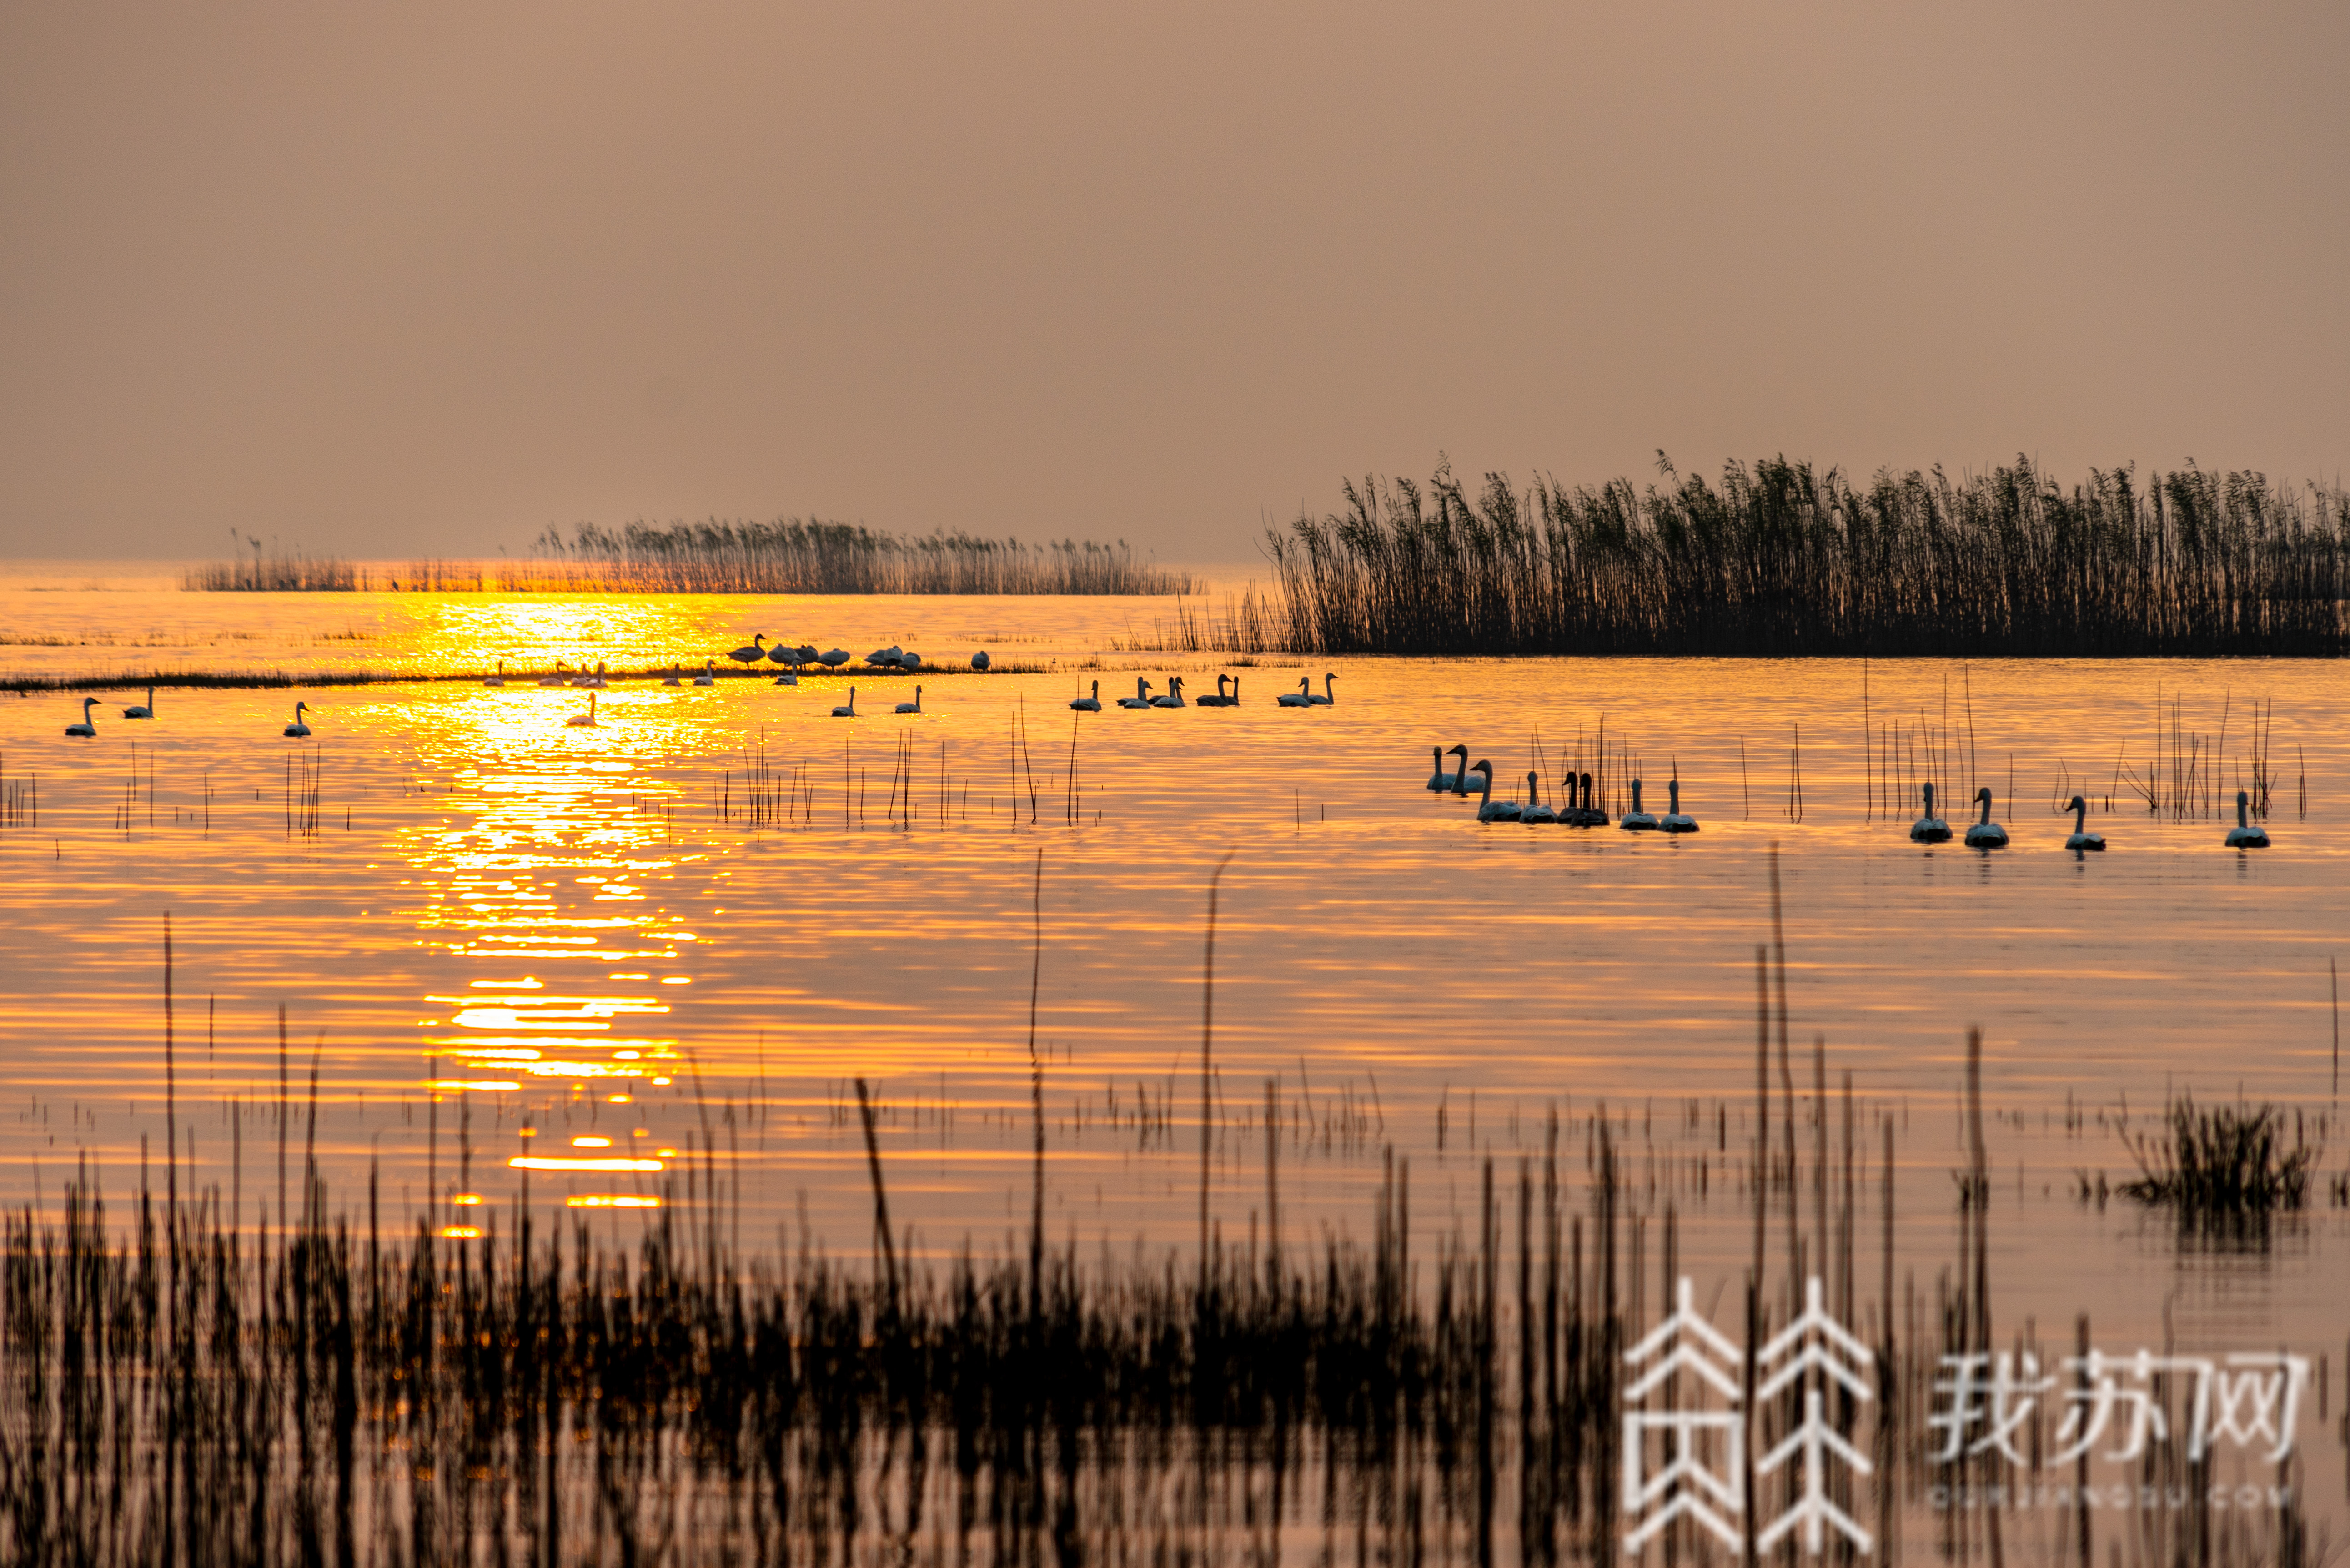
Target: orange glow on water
(611,1200)
(525,1162)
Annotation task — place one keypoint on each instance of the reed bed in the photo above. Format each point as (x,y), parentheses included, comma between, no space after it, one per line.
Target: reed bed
(2224,1163)
(1786,559)
(789,556)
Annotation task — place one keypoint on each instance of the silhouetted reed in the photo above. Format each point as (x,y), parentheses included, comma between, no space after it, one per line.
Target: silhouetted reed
(1786,559)
(2222,1160)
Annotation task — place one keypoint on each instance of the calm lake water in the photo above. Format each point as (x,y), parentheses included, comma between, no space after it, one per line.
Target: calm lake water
(685,929)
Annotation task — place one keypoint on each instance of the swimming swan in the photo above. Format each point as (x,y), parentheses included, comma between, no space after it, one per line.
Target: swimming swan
(297,728)
(1174,698)
(2080,837)
(1142,698)
(849,709)
(1327,696)
(1593,815)
(500,677)
(1986,834)
(1301,698)
(142,709)
(585,720)
(1089,704)
(1489,809)
(85,727)
(1440,781)
(1534,811)
(1673,821)
(913,706)
(709,676)
(1930,828)
(1636,820)
(2244,836)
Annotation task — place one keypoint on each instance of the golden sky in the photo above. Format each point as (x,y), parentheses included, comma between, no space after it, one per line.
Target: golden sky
(422,277)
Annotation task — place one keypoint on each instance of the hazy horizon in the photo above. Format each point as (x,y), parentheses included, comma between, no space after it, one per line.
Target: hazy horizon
(424,281)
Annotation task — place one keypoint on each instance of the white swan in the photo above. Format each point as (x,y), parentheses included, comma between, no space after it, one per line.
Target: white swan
(1636,820)
(789,678)
(1089,704)
(1535,812)
(833,658)
(1301,698)
(592,681)
(709,676)
(500,677)
(1440,781)
(1142,698)
(910,661)
(85,727)
(1673,821)
(2080,837)
(2244,836)
(1930,828)
(1985,834)
(751,652)
(794,657)
(913,706)
(1174,697)
(297,728)
(885,658)
(978,660)
(142,709)
(849,709)
(585,720)
(1489,809)
(1327,696)
(557,678)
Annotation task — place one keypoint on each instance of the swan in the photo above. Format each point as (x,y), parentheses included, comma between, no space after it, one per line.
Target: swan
(849,709)
(676,676)
(1489,809)
(585,720)
(885,658)
(298,729)
(833,658)
(2081,838)
(1930,828)
(913,706)
(794,657)
(594,682)
(1327,697)
(978,660)
(142,709)
(1219,700)
(557,678)
(500,677)
(1636,820)
(1536,812)
(1986,834)
(1594,816)
(1089,704)
(1142,698)
(751,652)
(709,676)
(1174,698)
(910,661)
(1301,698)
(85,727)
(2244,836)
(1673,821)
(789,678)
(1440,780)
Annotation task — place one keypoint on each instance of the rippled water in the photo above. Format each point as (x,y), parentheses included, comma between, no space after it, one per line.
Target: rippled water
(507,933)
